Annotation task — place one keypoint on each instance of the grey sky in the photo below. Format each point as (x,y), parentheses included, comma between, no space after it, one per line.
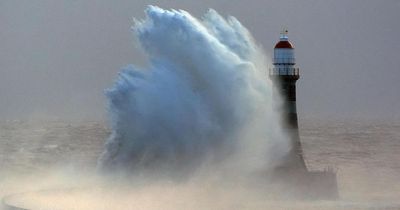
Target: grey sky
(56,57)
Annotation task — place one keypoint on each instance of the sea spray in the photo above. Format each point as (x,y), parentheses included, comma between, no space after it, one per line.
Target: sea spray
(204,101)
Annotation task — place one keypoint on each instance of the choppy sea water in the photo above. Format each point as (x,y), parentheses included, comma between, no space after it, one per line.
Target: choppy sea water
(365,154)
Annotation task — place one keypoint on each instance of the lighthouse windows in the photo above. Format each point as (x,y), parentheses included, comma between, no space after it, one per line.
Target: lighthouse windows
(284,56)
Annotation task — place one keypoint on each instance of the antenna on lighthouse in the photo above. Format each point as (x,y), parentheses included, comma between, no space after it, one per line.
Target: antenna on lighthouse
(284,34)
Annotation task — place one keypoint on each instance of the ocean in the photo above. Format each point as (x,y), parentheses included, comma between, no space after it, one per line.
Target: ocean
(364,154)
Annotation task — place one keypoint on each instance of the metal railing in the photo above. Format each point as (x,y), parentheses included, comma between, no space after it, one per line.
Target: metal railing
(284,71)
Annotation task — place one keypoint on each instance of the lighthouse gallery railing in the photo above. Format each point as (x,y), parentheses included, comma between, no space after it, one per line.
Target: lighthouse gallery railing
(284,71)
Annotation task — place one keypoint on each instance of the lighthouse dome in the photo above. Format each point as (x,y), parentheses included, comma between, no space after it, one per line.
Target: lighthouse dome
(284,44)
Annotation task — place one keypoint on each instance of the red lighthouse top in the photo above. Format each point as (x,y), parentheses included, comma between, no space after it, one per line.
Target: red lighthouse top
(284,41)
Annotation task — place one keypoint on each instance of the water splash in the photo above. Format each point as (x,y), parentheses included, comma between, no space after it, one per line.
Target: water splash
(204,99)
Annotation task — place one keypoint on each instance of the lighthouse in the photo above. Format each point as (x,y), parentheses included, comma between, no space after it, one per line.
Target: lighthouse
(293,170)
(284,75)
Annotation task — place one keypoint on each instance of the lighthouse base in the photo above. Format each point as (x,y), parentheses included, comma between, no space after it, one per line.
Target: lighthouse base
(306,185)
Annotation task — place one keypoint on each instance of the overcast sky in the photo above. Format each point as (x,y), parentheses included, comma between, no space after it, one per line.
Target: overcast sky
(57,57)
